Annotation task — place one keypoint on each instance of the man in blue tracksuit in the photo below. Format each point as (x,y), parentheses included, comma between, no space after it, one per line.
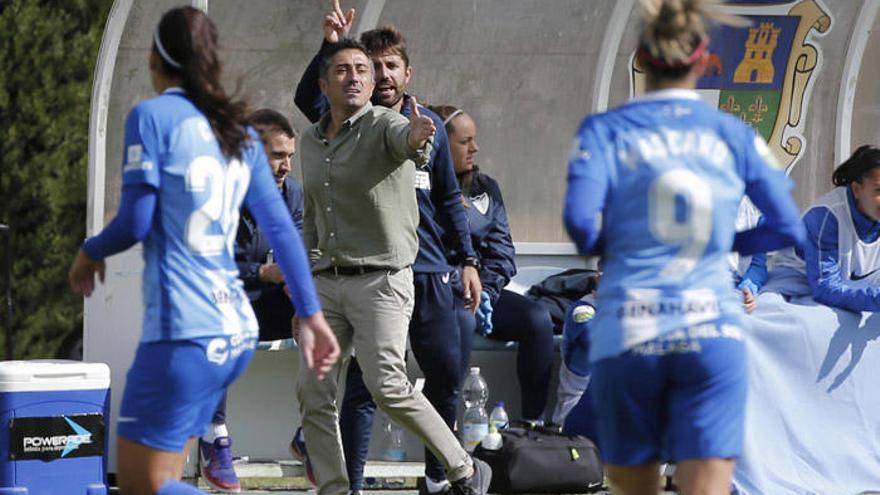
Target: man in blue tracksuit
(441,347)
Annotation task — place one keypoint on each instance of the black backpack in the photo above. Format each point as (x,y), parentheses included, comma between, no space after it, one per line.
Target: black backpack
(543,460)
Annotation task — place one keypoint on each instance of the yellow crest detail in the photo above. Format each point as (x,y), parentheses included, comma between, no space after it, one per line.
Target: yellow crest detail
(757,64)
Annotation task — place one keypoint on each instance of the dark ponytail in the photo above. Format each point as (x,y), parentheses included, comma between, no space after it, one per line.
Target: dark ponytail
(865,159)
(186,41)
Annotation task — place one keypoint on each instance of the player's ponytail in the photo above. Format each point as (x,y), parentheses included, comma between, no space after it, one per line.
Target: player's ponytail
(674,35)
(865,159)
(186,41)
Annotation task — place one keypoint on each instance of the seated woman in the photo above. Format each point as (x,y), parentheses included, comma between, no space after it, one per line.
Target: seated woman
(502,314)
(841,258)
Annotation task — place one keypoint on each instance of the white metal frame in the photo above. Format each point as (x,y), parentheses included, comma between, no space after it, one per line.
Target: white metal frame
(855,51)
(608,54)
(100,106)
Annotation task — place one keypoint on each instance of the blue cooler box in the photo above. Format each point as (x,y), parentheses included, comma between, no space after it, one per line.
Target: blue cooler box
(53,418)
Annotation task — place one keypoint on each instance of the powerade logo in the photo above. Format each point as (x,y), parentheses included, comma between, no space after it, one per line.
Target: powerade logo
(65,443)
(57,437)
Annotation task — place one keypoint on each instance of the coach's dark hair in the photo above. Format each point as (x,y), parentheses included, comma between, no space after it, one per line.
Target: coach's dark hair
(189,38)
(385,39)
(333,48)
(865,159)
(269,122)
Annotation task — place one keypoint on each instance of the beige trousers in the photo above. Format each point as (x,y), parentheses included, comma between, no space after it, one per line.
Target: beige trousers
(370,312)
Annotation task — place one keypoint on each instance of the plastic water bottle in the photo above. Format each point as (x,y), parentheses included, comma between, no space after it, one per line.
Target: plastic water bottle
(493,440)
(475,423)
(498,417)
(474,427)
(475,391)
(393,448)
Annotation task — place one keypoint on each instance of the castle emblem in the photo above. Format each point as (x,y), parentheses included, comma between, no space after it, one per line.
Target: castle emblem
(763,73)
(757,65)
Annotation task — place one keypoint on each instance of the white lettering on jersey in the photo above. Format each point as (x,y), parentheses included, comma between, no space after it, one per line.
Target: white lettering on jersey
(668,143)
(226,187)
(687,340)
(637,320)
(694,231)
(217,351)
(642,309)
(226,282)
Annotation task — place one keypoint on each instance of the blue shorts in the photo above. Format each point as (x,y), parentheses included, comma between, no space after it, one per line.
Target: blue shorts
(173,388)
(680,396)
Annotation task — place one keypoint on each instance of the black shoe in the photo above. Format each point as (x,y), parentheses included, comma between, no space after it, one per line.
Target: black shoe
(422,485)
(477,484)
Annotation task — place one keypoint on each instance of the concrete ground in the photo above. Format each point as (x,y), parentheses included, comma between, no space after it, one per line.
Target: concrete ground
(286,478)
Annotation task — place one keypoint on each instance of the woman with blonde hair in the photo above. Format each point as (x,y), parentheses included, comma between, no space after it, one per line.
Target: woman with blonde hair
(502,314)
(654,186)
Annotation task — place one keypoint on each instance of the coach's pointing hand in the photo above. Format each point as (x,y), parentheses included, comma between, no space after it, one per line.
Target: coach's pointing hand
(421,126)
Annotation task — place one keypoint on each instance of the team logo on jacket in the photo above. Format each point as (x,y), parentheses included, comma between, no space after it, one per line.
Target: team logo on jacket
(481,203)
(763,73)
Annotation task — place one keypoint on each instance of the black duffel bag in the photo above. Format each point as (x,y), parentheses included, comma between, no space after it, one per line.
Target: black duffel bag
(543,460)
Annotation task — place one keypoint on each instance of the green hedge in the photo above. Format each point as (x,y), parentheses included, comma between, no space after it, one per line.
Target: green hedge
(48,52)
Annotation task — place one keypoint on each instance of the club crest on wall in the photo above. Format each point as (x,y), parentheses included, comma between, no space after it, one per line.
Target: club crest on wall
(763,73)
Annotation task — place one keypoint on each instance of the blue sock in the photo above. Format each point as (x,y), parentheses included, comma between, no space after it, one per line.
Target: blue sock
(173,487)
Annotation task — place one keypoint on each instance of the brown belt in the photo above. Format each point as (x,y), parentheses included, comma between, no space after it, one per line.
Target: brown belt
(353,270)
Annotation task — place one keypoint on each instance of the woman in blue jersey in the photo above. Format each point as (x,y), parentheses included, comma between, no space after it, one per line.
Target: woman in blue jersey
(654,186)
(502,314)
(841,258)
(188,166)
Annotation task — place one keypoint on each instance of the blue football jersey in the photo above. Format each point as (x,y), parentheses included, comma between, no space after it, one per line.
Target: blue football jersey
(673,171)
(191,287)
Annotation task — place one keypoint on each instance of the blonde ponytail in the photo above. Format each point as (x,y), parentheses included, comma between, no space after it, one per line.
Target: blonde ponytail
(675,33)
(673,29)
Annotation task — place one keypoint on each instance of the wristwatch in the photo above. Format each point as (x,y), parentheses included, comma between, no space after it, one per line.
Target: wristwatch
(472,261)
